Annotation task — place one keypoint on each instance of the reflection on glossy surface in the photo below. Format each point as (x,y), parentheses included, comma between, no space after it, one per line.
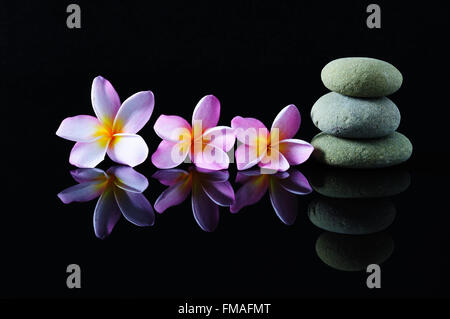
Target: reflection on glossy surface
(352,216)
(355,212)
(210,189)
(354,252)
(348,183)
(120,190)
(283,188)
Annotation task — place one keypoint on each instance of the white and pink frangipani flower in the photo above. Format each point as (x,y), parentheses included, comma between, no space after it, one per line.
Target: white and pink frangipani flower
(113,131)
(205,143)
(272,151)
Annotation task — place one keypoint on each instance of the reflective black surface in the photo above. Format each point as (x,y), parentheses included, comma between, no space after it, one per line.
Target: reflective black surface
(259,251)
(256,57)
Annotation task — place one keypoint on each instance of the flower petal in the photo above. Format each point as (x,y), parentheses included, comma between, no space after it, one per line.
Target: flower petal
(281,175)
(206,212)
(169,154)
(207,175)
(212,158)
(220,193)
(207,111)
(220,136)
(88,155)
(134,113)
(296,183)
(80,128)
(128,179)
(243,176)
(174,195)
(172,128)
(284,203)
(170,177)
(275,161)
(128,149)
(83,192)
(105,100)
(247,156)
(135,207)
(251,192)
(287,122)
(295,151)
(106,214)
(82,175)
(247,129)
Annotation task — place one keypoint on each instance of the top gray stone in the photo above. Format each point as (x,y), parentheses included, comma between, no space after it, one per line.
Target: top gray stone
(361,77)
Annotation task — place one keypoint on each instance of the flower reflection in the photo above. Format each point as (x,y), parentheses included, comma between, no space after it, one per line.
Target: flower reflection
(120,190)
(210,189)
(283,188)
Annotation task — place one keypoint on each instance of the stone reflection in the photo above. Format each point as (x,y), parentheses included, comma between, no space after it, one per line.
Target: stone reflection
(120,193)
(283,190)
(209,189)
(348,183)
(354,252)
(352,216)
(355,209)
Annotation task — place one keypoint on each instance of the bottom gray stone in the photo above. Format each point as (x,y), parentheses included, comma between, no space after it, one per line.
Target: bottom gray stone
(361,153)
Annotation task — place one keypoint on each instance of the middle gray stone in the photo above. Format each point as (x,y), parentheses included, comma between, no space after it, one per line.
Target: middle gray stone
(351,117)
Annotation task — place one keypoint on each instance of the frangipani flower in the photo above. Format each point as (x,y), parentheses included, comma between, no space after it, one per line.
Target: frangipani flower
(283,188)
(120,191)
(205,143)
(209,189)
(114,129)
(275,150)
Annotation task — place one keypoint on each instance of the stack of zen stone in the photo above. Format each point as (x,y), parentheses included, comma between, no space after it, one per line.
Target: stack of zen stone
(357,121)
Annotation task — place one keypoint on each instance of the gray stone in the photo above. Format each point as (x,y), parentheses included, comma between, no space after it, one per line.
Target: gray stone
(352,216)
(349,183)
(361,77)
(350,117)
(354,252)
(362,153)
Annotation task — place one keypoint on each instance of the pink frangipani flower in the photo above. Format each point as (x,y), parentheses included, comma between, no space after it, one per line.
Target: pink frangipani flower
(114,129)
(275,150)
(205,143)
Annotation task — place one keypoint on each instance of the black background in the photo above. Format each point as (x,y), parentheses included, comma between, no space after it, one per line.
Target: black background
(256,57)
